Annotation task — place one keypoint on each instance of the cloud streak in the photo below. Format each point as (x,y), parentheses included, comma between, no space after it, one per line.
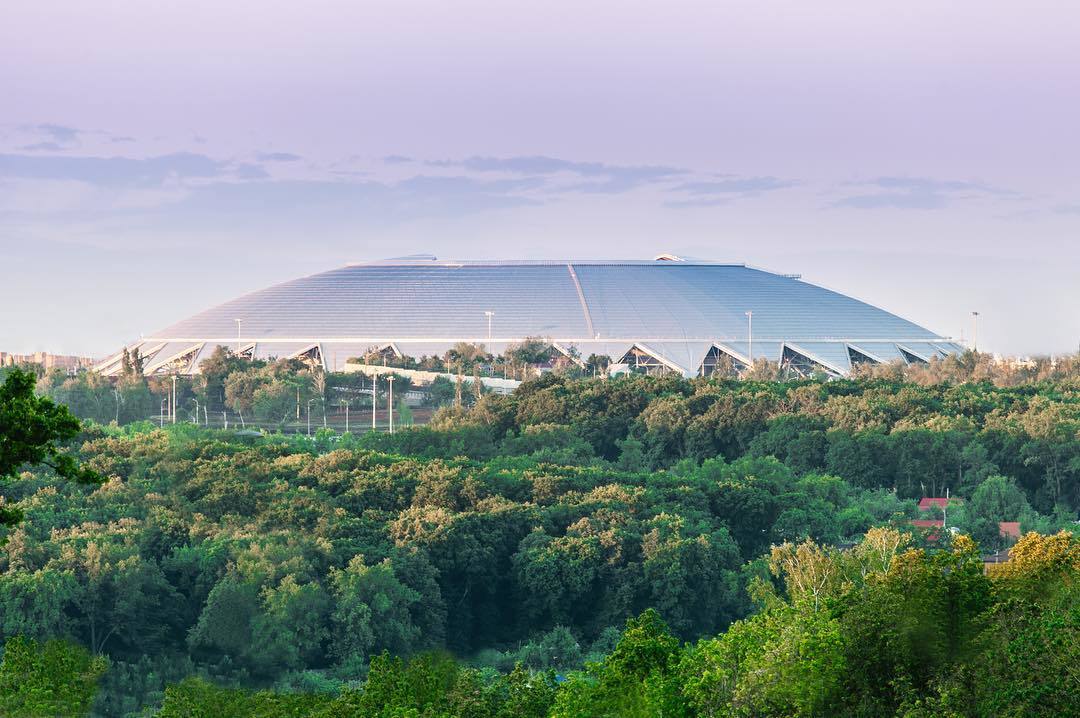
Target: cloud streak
(919,193)
(601,178)
(712,193)
(112,171)
(278,157)
(59,133)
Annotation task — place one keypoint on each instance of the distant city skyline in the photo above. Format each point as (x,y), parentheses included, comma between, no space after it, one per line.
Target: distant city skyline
(157,160)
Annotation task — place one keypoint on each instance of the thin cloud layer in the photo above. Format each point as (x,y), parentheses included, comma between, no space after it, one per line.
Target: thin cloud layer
(59,133)
(42,147)
(919,193)
(712,193)
(278,157)
(602,178)
(111,171)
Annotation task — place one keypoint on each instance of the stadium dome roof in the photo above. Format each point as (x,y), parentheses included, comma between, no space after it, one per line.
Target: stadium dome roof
(667,314)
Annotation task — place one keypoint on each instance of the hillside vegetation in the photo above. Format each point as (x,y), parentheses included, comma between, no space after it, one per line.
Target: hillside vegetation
(635,546)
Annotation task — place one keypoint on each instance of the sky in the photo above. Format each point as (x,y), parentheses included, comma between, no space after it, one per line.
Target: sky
(160,157)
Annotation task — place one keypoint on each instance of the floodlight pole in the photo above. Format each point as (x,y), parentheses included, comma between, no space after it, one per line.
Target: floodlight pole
(975,335)
(750,337)
(238,321)
(489,315)
(390,402)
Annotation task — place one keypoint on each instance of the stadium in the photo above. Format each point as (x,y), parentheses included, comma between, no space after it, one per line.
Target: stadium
(665,315)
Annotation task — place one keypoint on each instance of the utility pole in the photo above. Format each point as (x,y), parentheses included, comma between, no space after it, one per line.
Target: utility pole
(750,337)
(346,403)
(390,402)
(945,511)
(975,334)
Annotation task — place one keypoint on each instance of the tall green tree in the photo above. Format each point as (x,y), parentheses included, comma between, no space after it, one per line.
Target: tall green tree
(32,428)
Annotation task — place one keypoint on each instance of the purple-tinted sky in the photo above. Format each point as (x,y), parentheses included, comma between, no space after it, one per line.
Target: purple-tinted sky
(157,158)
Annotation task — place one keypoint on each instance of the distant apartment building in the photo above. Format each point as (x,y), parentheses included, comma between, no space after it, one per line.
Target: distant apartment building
(71,364)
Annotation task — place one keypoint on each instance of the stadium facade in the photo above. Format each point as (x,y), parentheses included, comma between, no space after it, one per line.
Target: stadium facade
(668,314)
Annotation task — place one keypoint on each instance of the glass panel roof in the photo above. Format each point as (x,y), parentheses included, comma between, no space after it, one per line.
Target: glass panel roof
(677,309)
(834,355)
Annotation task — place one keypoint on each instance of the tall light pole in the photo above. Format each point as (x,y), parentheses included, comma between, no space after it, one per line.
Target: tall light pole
(975,334)
(346,403)
(390,402)
(373,402)
(489,315)
(750,337)
(172,404)
(238,321)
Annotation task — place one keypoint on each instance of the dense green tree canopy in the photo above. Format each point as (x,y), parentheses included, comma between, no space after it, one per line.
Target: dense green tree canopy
(754,533)
(32,429)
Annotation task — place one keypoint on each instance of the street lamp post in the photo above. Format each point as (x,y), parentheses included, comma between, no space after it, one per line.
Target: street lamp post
(489,315)
(373,384)
(346,403)
(390,402)
(172,404)
(750,337)
(975,334)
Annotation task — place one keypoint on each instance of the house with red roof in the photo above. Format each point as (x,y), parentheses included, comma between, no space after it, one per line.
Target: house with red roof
(928,503)
(931,528)
(1009,530)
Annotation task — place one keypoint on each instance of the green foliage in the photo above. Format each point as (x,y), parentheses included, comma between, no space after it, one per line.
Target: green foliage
(372,613)
(50,679)
(520,529)
(197,698)
(31,427)
(639,678)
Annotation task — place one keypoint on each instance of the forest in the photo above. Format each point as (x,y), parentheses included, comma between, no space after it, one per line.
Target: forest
(632,546)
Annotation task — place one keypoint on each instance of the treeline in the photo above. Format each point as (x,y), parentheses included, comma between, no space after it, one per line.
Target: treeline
(527,529)
(275,392)
(880,630)
(911,439)
(260,560)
